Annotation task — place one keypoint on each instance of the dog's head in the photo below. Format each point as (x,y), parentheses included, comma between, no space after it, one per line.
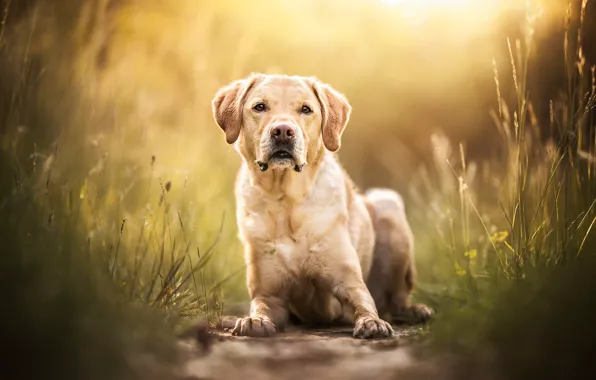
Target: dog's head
(281,121)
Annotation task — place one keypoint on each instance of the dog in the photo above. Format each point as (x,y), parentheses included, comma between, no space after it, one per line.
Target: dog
(316,248)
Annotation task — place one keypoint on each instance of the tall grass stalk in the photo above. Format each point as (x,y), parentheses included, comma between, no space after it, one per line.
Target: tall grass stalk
(535,209)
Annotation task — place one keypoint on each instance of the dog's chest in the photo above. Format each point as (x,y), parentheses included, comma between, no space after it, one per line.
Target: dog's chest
(280,220)
(291,231)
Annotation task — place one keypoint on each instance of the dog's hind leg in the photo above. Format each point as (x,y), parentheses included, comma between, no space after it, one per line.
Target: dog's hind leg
(393,274)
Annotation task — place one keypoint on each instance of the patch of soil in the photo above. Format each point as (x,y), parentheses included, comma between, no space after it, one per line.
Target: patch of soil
(329,353)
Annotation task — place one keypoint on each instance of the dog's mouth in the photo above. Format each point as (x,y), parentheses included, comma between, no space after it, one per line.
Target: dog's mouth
(281,156)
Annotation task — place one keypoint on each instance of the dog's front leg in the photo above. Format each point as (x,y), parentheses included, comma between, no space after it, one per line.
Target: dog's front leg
(343,276)
(268,316)
(350,288)
(268,308)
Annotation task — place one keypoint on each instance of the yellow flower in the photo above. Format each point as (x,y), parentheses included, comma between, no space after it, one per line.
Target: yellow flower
(499,237)
(471,253)
(459,270)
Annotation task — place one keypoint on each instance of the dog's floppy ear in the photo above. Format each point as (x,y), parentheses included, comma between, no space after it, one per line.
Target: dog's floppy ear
(227,106)
(336,113)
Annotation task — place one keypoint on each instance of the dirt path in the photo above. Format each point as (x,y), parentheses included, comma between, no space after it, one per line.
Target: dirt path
(302,354)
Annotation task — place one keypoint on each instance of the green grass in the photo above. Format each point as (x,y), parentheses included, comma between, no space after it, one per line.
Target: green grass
(105,253)
(507,227)
(61,311)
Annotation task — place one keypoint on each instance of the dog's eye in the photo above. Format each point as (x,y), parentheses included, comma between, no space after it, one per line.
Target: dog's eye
(306,110)
(259,107)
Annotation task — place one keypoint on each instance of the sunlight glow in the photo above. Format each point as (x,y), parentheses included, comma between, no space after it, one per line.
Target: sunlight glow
(428,3)
(417,11)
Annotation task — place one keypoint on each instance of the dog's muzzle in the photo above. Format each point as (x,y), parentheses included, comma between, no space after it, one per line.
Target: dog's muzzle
(282,147)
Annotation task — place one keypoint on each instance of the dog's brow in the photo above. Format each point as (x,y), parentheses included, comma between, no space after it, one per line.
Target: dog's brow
(258,100)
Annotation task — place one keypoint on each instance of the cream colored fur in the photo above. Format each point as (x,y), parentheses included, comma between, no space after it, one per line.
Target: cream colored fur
(308,236)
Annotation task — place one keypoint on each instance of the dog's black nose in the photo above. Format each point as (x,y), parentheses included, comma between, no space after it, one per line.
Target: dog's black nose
(283,133)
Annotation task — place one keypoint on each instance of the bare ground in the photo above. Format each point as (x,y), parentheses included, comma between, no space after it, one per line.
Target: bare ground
(327,353)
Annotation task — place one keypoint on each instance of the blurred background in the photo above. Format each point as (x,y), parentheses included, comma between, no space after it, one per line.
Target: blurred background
(107,130)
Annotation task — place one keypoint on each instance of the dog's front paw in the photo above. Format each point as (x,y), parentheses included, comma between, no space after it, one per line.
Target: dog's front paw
(372,328)
(254,327)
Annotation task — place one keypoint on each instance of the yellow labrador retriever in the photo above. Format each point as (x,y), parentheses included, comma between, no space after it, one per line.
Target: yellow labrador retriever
(315,248)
